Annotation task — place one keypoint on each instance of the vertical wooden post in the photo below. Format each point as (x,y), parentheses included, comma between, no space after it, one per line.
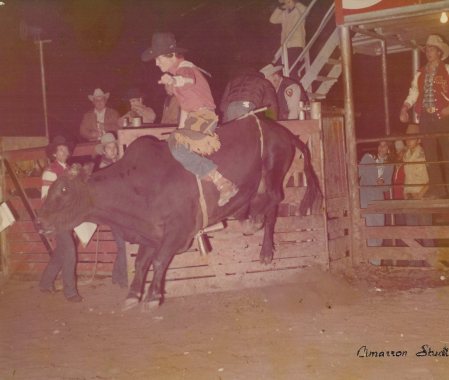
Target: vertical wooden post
(415,68)
(383,45)
(357,253)
(4,251)
(316,114)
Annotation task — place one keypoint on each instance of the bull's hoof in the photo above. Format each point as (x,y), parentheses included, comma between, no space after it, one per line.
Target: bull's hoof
(266,259)
(130,303)
(250,227)
(149,306)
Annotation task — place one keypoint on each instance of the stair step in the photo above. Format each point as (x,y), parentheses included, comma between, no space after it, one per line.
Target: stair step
(334,61)
(321,78)
(316,96)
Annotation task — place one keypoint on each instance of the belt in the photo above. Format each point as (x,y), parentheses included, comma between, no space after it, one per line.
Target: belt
(430,109)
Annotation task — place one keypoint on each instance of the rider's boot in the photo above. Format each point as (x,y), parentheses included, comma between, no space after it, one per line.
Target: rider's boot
(226,188)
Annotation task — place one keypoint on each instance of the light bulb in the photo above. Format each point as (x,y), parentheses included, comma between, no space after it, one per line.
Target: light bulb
(443,18)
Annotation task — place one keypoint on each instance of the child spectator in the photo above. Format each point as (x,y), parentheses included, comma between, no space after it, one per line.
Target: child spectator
(416,180)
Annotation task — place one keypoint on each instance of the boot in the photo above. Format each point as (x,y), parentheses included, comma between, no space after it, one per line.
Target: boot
(226,188)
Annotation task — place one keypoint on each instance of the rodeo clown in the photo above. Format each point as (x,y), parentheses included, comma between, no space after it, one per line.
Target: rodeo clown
(195,136)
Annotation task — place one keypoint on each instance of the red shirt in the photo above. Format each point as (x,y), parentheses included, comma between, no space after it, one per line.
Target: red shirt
(195,92)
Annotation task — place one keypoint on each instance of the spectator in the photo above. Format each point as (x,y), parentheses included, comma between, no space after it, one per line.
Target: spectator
(137,109)
(195,135)
(416,180)
(101,119)
(288,13)
(429,93)
(108,149)
(289,92)
(375,179)
(171,110)
(247,92)
(64,255)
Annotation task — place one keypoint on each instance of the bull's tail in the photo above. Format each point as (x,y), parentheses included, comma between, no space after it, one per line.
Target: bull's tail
(313,196)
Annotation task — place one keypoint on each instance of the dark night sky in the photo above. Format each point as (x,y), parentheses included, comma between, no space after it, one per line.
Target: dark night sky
(97,43)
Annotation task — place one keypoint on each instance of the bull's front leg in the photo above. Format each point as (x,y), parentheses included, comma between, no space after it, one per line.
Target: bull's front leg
(267,251)
(144,259)
(173,243)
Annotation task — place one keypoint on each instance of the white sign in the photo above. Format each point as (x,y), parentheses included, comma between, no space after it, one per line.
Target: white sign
(85,231)
(6,216)
(359,4)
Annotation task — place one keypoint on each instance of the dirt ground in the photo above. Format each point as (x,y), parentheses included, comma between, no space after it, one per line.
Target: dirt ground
(315,328)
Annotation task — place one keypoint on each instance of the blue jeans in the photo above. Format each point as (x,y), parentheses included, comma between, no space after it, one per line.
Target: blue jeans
(120,268)
(63,258)
(194,163)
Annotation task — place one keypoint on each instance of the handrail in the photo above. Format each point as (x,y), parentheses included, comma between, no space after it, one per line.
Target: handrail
(320,28)
(283,48)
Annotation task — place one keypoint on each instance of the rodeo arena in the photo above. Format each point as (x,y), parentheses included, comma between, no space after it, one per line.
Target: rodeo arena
(255,233)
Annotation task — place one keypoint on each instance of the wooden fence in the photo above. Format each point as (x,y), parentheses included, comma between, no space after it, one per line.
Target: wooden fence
(234,262)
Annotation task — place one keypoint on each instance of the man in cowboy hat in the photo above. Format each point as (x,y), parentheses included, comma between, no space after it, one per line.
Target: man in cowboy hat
(64,254)
(289,92)
(429,94)
(195,136)
(137,109)
(101,119)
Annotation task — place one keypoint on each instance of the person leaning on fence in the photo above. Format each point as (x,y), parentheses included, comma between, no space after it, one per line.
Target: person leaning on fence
(63,258)
(416,181)
(375,180)
(101,119)
(245,93)
(108,150)
(289,92)
(195,136)
(429,94)
(288,13)
(137,109)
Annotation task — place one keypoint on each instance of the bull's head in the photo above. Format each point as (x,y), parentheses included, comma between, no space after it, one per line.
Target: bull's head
(67,203)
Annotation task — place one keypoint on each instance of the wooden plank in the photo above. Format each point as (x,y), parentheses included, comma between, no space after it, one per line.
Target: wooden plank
(301,127)
(26,154)
(26,182)
(404,253)
(411,206)
(338,227)
(234,281)
(293,223)
(339,248)
(294,194)
(404,232)
(127,135)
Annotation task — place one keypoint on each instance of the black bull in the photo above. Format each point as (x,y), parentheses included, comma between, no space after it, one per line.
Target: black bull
(153,201)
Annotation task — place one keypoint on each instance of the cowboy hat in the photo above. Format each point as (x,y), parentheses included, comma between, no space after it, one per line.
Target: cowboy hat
(412,129)
(161,43)
(98,93)
(50,149)
(105,139)
(438,42)
(269,70)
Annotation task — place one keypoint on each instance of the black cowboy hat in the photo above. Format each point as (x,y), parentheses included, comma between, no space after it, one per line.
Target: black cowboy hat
(50,149)
(161,43)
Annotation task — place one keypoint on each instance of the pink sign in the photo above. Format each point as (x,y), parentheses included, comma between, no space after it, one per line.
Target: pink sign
(345,8)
